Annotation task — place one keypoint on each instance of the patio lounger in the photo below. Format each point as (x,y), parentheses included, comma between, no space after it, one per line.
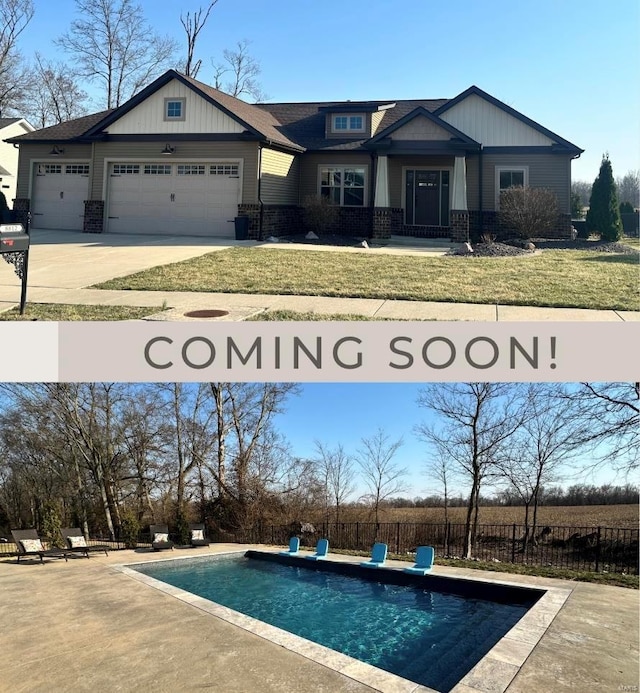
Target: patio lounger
(160,537)
(378,556)
(322,549)
(294,547)
(78,544)
(29,543)
(424,561)
(197,536)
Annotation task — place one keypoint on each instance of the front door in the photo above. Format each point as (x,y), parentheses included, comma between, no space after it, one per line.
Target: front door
(427,198)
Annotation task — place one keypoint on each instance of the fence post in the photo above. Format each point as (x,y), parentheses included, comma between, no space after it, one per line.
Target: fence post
(513,544)
(397,537)
(598,551)
(448,539)
(357,535)
(273,538)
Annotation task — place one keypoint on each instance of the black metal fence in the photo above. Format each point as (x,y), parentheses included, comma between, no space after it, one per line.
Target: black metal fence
(594,549)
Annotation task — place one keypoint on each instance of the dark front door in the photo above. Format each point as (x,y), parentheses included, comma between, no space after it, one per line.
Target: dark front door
(427,198)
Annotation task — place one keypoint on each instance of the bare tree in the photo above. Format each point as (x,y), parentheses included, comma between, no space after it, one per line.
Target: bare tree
(113,44)
(337,471)
(193,25)
(55,95)
(582,188)
(629,188)
(238,73)
(476,422)
(15,15)
(381,474)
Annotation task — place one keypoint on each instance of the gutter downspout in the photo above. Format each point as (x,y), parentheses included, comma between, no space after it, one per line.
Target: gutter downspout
(261,213)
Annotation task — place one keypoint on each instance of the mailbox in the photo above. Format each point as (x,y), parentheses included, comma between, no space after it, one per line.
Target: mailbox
(14,249)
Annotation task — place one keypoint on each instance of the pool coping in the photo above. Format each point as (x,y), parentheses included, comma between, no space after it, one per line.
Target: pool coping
(494,672)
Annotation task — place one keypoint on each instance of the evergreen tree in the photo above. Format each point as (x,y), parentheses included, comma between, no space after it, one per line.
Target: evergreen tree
(603,216)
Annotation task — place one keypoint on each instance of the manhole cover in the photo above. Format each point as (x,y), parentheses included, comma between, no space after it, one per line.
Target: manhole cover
(206,313)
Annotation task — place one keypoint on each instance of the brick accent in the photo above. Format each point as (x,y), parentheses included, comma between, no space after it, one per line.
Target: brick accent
(22,210)
(253,212)
(281,220)
(491,225)
(459,223)
(386,221)
(425,231)
(93,216)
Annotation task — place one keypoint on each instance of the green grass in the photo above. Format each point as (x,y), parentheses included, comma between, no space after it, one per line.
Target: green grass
(61,312)
(554,278)
(615,579)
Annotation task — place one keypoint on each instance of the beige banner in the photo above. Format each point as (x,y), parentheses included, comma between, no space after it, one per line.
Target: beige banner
(29,352)
(345,351)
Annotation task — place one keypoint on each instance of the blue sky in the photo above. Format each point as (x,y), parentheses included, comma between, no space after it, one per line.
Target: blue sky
(571,65)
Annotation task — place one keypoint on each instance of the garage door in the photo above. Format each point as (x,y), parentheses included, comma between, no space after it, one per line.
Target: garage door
(194,199)
(59,192)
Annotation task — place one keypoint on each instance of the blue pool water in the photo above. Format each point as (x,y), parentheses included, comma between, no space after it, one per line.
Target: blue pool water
(429,637)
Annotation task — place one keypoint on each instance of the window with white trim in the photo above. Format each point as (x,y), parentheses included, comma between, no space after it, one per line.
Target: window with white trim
(343,185)
(77,169)
(223,169)
(157,169)
(126,169)
(510,177)
(49,168)
(174,109)
(347,123)
(191,170)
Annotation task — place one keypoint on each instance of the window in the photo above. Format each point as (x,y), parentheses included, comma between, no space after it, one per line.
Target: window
(49,168)
(191,170)
(126,169)
(509,177)
(157,169)
(224,170)
(174,109)
(348,123)
(77,169)
(343,185)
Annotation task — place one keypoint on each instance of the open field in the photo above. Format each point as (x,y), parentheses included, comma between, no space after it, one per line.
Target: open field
(553,278)
(618,516)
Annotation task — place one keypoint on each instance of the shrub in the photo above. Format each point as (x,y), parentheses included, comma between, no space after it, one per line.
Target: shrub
(318,214)
(528,212)
(603,216)
(626,208)
(51,524)
(129,529)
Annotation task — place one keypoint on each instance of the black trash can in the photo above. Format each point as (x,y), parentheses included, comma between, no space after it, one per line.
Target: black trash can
(242,228)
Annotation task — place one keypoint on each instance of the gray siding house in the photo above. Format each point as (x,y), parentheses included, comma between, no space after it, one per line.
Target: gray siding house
(183,158)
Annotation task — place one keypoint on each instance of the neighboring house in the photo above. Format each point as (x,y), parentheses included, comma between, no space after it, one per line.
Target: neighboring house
(183,158)
(10,127)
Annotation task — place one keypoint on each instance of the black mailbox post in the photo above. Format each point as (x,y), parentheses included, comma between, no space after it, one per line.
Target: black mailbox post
(14,249)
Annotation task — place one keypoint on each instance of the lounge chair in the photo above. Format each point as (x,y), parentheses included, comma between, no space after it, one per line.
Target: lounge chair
(160,537)
(197,535)
(322,549)
(378,556)
(294,547)
(424,561)
(78,544)
(29,543)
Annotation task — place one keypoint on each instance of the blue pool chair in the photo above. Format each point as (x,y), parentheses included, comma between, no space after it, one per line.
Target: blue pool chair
(378,556)
(322,549)
(424,561)
(294,547)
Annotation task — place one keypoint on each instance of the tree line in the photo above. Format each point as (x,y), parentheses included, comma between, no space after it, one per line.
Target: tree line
(112,48)
(114,456)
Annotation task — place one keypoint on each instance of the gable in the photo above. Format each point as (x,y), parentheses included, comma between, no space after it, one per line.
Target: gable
(492,126)
(420,128)
(199,116)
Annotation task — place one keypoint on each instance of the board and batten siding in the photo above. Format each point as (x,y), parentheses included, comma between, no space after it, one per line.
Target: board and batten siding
(42,153)
(491,126)
(309,169)
(200,115)
(186,152)
(420,128)
(552,171)
(397,164)
(279,178)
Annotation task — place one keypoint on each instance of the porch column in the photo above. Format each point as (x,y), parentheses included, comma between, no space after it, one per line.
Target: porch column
(382,183)
(459,216)
(459,197)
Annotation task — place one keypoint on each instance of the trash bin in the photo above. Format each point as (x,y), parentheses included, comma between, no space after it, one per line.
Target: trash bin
(242,228)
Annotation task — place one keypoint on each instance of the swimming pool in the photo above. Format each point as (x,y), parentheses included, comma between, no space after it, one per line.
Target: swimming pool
(429,630)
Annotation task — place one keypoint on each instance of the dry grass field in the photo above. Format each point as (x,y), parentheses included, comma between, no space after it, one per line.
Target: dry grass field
(618,516)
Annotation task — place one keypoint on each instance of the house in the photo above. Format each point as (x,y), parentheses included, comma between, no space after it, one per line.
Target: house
(183,158)
(10,127)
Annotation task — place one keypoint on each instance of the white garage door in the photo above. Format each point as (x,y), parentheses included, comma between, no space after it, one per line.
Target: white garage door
(59,192)
(193,199)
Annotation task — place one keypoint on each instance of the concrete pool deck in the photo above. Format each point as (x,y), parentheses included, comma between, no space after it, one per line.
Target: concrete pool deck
(85,625)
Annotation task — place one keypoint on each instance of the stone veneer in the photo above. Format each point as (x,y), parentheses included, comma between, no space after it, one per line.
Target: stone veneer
(93,216)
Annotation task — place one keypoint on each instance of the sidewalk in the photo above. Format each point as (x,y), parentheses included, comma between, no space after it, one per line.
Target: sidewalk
(63,263)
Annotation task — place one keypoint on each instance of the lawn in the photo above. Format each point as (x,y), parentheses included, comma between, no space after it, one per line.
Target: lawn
(62,312)
(555,278)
